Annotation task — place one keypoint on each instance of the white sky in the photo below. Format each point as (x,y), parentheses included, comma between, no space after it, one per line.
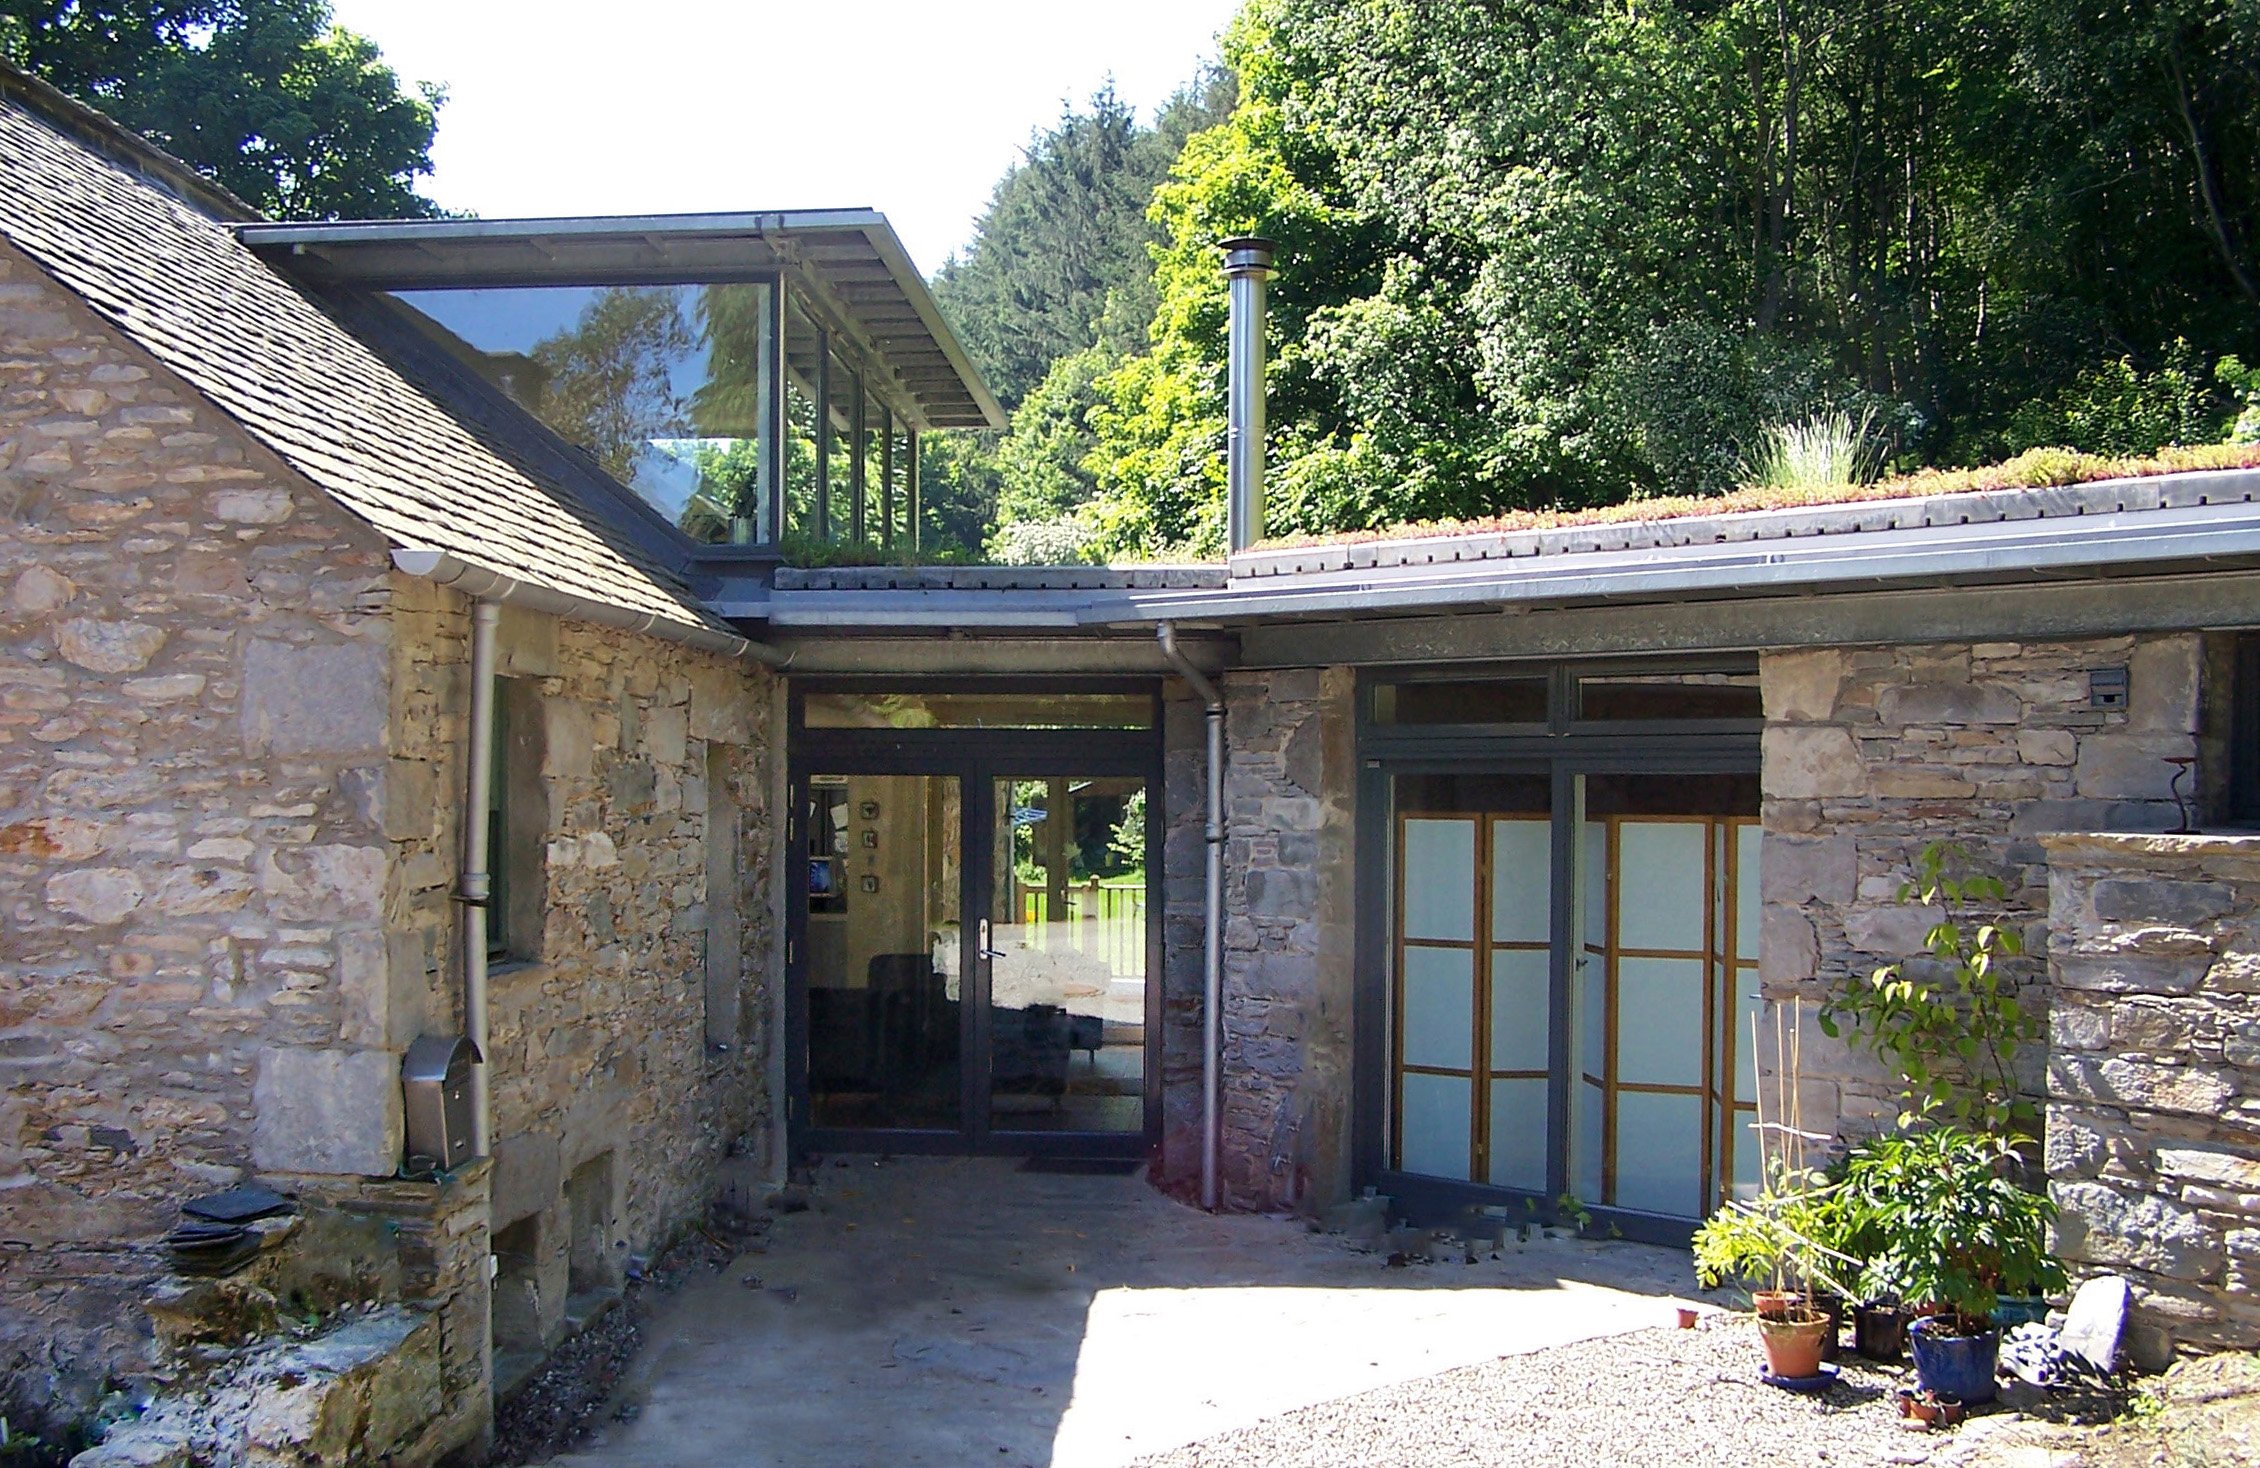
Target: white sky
(670,106)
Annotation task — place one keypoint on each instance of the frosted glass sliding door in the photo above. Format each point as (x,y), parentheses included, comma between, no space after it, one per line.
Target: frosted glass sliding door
(1472,905)
(1520,1027)
(1666,978)
(1436,995)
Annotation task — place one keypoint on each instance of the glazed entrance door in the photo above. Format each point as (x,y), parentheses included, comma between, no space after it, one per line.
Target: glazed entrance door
(882,954)
(1064,955)
(970,949)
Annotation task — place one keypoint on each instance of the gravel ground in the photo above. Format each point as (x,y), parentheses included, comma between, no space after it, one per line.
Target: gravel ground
(1661,1397)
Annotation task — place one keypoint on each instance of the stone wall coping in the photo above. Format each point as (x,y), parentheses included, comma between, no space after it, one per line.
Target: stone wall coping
(2198,844)
(438,1188)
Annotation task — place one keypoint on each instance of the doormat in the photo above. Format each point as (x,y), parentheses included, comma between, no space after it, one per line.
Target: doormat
(1084,1166)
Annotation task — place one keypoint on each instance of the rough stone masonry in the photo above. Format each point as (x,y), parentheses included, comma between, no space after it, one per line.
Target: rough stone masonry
(2154,1078)
(1872,753)
(230,816)
(192,864)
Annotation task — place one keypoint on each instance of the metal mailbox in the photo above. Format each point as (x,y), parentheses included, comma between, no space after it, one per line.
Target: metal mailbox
(436,1075)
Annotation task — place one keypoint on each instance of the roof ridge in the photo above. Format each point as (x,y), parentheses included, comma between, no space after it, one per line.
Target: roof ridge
(122,147)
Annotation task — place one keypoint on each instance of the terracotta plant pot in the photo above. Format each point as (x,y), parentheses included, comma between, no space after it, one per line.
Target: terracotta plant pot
(1931,1409)
(1793,1345)
(1686,1318)
(1775,1304)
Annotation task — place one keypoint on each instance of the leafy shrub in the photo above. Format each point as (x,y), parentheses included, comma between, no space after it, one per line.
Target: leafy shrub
(2117,409)
(1950,1027)
(2243,384)
(1069,540)
(1946,1223)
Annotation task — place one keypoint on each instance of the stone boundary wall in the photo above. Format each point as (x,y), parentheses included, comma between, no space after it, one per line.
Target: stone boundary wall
(192,673)
(1290,787)
(2154,1078)
(439,1227)
(1871,753)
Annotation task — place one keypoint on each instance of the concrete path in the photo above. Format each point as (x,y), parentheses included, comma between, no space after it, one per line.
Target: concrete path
(958,1311)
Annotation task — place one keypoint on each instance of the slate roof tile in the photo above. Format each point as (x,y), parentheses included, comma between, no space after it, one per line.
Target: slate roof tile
(176,281)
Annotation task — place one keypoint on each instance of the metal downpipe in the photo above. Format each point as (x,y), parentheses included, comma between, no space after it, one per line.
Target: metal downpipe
(477,881)
(1212,923)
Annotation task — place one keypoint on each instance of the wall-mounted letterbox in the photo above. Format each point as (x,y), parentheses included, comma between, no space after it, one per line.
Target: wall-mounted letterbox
(436,1075)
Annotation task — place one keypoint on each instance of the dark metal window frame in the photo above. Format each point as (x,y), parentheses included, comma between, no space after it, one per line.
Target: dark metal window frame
(977,758)
(1566,749)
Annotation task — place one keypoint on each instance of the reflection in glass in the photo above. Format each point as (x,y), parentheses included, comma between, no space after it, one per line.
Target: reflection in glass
(1067,969)
(884,961)
(1461,701)
(665,386)
(1696,695)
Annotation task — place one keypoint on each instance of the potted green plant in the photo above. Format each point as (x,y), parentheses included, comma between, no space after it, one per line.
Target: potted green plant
(1774,1245)
(1952,1230)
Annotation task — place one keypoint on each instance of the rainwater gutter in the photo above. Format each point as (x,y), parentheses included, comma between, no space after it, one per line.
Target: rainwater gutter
(444,568)
(1212,921)
(488,590)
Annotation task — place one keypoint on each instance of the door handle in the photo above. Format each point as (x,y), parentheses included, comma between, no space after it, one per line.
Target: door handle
(981,948)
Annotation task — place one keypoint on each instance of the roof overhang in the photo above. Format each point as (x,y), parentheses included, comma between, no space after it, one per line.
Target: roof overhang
(844,267)
(2173,530)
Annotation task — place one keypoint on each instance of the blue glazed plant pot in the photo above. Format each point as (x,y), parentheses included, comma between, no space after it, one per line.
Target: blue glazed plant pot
(1954,1365)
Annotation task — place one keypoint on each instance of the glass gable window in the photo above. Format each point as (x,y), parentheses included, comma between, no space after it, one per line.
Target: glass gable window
(666,387)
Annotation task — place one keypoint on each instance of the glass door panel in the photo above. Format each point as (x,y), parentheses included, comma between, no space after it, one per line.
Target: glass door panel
(1521,1029)
(1064,948)
(1666,980)
(1473,916)
(884,958)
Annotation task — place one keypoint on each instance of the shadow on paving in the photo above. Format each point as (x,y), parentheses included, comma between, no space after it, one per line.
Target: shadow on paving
(957,1311)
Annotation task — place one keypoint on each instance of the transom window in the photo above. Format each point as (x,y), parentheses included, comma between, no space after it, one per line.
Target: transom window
(1715,698)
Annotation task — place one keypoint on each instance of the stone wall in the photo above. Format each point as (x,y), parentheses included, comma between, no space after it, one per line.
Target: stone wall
(2154,1078)
(613,1114)
(192,666)
(1872,753)
(1289,797)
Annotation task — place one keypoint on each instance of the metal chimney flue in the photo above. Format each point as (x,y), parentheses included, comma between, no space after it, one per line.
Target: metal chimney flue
(1247,265)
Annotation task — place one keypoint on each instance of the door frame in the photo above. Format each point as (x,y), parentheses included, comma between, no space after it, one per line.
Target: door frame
(1565,749)
(977,758)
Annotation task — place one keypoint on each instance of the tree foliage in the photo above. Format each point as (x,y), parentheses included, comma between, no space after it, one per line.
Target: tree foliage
(295,115)
(1056,288)
(1555,253)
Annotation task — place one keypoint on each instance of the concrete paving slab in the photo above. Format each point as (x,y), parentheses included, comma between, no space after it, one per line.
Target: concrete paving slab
(958,1311)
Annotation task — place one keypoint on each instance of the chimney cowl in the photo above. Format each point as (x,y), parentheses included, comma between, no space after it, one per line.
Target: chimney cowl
(1247,254)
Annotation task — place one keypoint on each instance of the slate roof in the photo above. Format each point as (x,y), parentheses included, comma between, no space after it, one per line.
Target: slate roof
(110,218)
